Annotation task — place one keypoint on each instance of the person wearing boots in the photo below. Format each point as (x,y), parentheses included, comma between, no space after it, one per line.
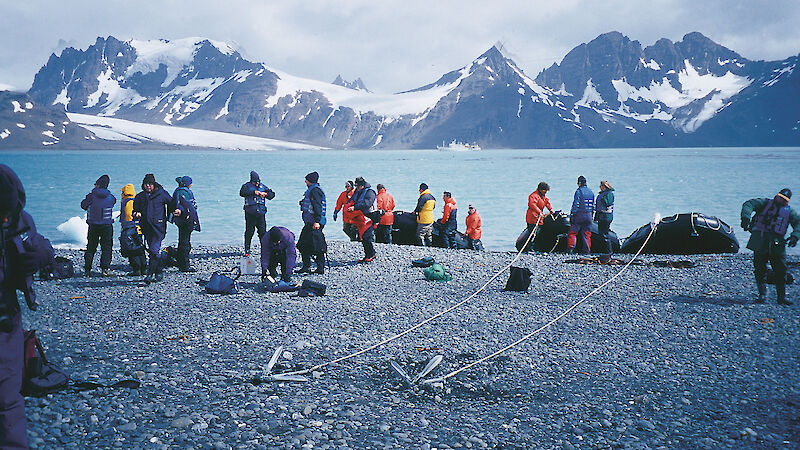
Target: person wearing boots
(348,226)
(449,221)
(312,239)
(99,206)
(255,208)
(474,229)
(604,214)
(277,248)
(23,252)
(767,229)
(383,234)
(130,239)
(184,216)
(364,204)
(150,207)
(580,218)
(426,203)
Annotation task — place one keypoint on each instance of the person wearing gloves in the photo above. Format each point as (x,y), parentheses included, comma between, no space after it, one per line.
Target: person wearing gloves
(99,206)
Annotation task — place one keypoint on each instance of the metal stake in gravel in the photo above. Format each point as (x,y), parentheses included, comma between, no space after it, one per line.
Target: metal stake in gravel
(653,225)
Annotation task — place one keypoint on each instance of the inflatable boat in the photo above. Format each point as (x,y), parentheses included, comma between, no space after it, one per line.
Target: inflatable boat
(404,232)
(551,236)
(684,234)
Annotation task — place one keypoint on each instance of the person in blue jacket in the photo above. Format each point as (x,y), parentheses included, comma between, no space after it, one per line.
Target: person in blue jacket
(99,207)
(278,248)
(580,218)
(184,216)
(604,213)
(150,207)
(23,252)
(255,208)
(312,240)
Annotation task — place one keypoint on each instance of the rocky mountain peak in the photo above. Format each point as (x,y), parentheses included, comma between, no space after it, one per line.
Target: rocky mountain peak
(357,84)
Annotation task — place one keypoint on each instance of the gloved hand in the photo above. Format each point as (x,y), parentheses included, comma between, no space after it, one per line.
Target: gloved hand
(745,223)
(335,213)
(792,241)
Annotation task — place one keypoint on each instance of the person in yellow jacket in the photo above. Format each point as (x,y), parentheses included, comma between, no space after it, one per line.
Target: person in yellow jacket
(130,239)
(424,212)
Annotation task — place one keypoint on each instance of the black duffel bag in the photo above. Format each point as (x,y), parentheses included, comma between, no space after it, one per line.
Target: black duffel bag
(311,288)
(519,279)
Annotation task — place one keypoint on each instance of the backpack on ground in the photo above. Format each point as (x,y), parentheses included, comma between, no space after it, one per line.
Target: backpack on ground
(40,377)
(519,279)
(61,268)
(437,272)
(423,262)
(222,284)
(169,257)
(311,288)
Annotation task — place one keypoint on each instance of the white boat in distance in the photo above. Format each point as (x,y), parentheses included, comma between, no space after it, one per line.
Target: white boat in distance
(456,146)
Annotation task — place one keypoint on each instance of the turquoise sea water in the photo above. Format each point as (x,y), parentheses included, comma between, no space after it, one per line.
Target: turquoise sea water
(714,181)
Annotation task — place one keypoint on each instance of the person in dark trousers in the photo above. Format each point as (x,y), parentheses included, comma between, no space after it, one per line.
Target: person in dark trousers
(604,213)
(99,207)
(767,229)
(150,207)
(277,248)
(474,229)
(365,201)
(255,208)
(580,219)
(23,252)
(348,226)
(131,243)
(184,216)
(312,239)
(383,233)
(449,221)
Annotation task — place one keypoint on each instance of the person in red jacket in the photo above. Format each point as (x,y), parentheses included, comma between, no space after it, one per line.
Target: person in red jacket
(383,234)
(349,227)
(448,220)
(537,202)
(474,229)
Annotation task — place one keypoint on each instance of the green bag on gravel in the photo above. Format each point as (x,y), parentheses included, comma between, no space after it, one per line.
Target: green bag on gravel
(437,272)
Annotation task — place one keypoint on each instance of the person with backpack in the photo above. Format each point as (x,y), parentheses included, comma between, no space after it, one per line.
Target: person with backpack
(604,213)
(99,206)
(130,238)
(278,248)
(255,208)
(150,207)
(184,216)
(348,226)
(23,253)
(580,218)
(364,204)
(383,233)
(312,240)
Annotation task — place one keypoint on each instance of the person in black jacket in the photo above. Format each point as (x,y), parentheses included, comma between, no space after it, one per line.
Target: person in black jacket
(312,240)
(99,207)
(150,207)
(184,216)
(255,208)
(23,252)
(364,200)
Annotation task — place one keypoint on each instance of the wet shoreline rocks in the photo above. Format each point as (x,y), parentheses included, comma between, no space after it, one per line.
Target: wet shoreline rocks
(661,357)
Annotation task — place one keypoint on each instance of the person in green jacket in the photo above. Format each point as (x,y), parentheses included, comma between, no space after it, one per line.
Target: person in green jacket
(767,229)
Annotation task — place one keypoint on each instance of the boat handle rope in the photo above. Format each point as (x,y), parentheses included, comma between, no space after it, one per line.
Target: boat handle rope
(653,226)
(531,237)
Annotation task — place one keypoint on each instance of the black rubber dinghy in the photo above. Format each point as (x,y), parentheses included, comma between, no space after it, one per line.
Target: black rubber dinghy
(404,232)
(551,236)
(684,234)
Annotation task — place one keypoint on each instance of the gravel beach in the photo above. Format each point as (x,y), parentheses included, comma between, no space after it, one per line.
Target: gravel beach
(660,358)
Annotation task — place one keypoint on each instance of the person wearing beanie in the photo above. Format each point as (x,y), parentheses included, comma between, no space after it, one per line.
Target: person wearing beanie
(424,211)
(184,216)
(151,207)
(767,230)
(537,202)
(278,248)
(99,207)
(130,238)
(604,214)
(348,226)
(580,218)
(364,206)
(255,209)
(312,240)
(448,221)
(383,233)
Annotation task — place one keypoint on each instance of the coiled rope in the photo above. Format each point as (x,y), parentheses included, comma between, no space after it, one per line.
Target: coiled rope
(543,327)
(531,237)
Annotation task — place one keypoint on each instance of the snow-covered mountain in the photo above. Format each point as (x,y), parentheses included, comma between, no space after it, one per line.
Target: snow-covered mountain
(25,125)
(357,84)
(606,93)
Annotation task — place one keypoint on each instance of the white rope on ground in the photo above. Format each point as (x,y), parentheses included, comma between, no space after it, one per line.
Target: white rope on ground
(543,327)
(531,237)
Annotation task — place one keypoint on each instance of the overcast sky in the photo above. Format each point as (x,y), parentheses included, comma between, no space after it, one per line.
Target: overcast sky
(392,45)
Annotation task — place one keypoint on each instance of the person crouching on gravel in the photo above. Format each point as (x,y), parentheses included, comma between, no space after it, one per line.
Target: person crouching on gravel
(277,248)
(150,207)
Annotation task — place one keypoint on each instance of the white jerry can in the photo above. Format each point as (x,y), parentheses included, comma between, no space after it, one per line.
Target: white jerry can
(247,265)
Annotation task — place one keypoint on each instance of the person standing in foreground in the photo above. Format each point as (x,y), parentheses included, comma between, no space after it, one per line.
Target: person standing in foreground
(99,206)
(474,229)
(537,202)
(364,204)
(604,213)
(22,254)
(150,207)
(348,226)
(449,221)
(424,211)
(383,234)
(255,208)
(184,216)
(131,244)
(312,239)
(277,248)
(767,228)
(580,218)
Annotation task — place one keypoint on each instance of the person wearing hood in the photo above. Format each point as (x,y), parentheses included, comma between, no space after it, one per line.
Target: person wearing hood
(383,233)
(255,208)
(580,218)
(767,230)
(348,226)
(312,240)
(604,213)
(278,248)
(130,238)
(23,252)
(150,207)
(99,206)
(184,216)
(364,204)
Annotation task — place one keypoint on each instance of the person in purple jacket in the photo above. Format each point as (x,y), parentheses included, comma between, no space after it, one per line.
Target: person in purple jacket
(22,253)
(99,207)
(277,247)
(150,207)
